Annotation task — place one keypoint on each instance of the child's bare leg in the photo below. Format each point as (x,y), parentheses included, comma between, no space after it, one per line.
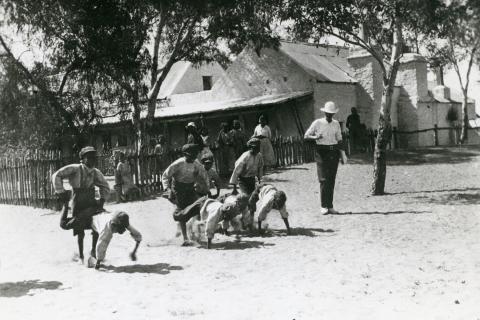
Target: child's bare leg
(93,252)
(260,231)
(80,237)
(209,243)
(287,225)
(183,227)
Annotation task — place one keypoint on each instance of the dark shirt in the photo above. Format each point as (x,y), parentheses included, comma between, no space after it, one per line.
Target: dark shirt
(353,122)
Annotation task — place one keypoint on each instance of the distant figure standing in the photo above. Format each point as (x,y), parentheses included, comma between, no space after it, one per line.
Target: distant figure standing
(161,152)
(354,127)
(206,152)
(263,132)
(193,137)
(239,139)
(224,143)
(328,136)
(125,177)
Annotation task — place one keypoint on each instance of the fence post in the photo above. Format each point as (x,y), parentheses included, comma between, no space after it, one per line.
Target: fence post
(435,134)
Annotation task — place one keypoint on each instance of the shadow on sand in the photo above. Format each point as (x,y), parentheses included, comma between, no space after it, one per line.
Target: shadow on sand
(452,199)
(386,213)
(157,268)
(433,191)
(423,156)
(240,245)
(22,288)
(307,232)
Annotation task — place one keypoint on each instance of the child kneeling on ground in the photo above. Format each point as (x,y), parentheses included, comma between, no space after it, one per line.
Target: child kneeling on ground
(105,225)
(268,198)
(207,213)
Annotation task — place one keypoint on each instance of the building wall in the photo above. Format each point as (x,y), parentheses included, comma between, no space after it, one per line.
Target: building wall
(368,73)
(192,80)
(344,96)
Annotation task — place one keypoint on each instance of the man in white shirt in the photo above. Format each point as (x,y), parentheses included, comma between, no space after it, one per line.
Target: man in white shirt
(329,147)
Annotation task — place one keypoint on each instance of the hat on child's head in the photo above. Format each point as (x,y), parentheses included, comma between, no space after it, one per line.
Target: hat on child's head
(86,150)
(330,107)
(190,149)
(191,124)
(253,142)
(207,159)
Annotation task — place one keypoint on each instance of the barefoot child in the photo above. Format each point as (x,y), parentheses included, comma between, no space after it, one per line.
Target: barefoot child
(105,225)
(83,178)
(181,182)
(268,197)
(211,212)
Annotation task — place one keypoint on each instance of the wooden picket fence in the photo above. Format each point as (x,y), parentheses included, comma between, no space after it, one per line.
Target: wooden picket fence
(292,150)
(27,180)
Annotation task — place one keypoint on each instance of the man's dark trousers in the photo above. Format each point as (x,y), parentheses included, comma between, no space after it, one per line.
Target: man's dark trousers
(327,158)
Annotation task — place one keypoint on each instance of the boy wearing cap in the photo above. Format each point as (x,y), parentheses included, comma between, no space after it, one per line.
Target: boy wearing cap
(248,167)
(329,148)
(265,198)
(83,178)
(214,180)
(181,182)
(105,225)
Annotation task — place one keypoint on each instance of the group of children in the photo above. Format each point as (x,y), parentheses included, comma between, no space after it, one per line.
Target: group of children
(237,209)
(187,183)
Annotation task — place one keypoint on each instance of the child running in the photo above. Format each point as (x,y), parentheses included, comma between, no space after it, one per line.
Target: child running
(181,182)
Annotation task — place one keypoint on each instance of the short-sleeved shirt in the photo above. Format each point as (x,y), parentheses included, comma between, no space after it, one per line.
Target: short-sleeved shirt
(186,172)
(331,132)
(248,165)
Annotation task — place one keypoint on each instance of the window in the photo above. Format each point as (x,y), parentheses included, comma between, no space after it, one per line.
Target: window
(207,82)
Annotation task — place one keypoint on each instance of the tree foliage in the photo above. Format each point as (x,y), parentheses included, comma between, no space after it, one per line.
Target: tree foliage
(457,42)
(134,43)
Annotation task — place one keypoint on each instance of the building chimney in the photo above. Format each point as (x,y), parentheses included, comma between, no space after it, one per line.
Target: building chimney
(438,74)
(441,92)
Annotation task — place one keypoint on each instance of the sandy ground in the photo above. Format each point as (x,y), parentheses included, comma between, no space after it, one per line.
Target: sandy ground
(411,254)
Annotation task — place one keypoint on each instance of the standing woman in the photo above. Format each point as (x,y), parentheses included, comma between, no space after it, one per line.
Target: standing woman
(224,142)
(263,132)
(329,148)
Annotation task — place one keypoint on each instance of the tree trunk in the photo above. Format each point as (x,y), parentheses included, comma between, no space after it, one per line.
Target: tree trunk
(384,123)
(383,138)
(464,133)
